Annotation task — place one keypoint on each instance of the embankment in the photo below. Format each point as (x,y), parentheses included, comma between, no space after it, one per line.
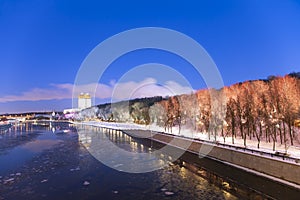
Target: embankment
(279,170)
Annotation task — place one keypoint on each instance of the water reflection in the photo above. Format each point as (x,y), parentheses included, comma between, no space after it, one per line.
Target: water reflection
(68,165)
(195,187)
(173,180)
(120,151)
(27,127)
(25,140)
(180,175)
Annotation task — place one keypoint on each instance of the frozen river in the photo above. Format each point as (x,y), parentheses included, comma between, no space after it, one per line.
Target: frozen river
(53,161)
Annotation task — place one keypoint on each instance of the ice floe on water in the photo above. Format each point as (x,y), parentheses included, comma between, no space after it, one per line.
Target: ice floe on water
(44,181)
(86,183)
(118,165)
(75,169)
(169,193)
(10,180)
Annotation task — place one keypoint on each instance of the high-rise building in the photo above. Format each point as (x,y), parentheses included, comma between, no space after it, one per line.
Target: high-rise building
(84,100)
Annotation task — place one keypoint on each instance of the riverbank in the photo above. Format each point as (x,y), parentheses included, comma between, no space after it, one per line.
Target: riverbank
(59,166)
(289,153)
(274,167)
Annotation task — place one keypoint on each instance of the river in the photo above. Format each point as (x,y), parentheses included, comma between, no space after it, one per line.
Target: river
(53,161)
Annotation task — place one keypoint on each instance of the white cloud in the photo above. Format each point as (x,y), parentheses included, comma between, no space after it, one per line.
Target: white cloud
(36,94)
(118,91)
(147,88)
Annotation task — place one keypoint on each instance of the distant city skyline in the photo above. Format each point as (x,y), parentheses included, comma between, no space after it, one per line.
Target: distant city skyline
(43,44)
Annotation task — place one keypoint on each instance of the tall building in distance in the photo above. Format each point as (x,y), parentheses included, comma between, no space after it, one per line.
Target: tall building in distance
(84,101)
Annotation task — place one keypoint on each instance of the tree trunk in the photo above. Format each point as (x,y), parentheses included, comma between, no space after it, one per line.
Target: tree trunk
(284,136)
(290,132)
(260,130)
(245,138)
(273,138)
(275,133)
(258,135)
(224,136)
(254,129)
(232,129)
(215,132)
(242,131)
(280,133)
(248,131)
(266,133)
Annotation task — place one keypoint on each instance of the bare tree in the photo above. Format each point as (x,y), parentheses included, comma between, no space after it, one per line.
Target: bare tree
(231,117)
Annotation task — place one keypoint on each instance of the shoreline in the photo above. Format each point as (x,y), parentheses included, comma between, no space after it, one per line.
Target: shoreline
(272,168)
(263,151)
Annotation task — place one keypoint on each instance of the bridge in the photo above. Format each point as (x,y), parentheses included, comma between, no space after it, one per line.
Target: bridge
(26,116)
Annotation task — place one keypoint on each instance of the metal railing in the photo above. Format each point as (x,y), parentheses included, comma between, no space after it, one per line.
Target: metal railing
(277,154)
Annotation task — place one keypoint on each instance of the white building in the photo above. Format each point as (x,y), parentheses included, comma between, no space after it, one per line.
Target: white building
(71,110)
(84,101)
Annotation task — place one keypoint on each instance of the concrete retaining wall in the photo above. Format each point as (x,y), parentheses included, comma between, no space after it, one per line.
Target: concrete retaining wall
(270,166)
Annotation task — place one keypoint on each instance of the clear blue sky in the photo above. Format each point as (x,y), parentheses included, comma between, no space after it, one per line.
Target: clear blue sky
(43,43)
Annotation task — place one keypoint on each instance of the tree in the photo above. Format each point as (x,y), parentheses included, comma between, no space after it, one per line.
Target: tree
(157,114)
(218,111)
(231,117)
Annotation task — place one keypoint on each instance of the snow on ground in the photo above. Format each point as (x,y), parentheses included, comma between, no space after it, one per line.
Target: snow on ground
(292,151)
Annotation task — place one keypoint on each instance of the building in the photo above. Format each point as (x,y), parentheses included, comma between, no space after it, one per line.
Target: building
(84,101)
(71,111)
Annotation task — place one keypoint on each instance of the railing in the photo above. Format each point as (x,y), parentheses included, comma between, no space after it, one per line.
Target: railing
(277,154)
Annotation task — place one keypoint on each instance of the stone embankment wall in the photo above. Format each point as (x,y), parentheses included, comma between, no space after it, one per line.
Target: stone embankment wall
(271,166)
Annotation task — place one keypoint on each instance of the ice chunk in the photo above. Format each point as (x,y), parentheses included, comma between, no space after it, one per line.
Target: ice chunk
(117,165)
(169,193)
(75,169)
(9,180)
(86,183)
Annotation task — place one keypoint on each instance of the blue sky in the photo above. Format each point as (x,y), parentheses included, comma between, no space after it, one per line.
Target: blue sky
(43,43)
